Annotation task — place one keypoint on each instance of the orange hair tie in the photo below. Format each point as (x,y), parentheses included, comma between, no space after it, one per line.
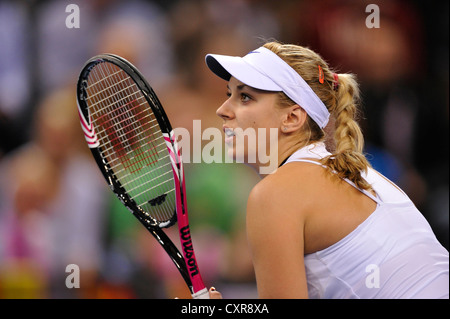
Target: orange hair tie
(321,75)
(336,82)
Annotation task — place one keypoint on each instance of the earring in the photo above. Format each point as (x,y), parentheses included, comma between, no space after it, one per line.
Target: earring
(284,129)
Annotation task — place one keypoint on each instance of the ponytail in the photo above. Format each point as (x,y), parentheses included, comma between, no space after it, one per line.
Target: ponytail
(347,160)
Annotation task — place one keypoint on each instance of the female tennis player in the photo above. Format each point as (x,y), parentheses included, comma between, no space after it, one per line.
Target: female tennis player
(324,224)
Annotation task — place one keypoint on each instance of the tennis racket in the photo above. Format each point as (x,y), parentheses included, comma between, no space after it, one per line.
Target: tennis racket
(134,145)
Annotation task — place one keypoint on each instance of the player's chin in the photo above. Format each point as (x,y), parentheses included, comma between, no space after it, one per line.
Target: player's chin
(232,153)
(238,156)
(230,149)
(235,150)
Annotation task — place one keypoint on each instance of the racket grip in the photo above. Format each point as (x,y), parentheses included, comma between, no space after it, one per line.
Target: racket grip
(201,294)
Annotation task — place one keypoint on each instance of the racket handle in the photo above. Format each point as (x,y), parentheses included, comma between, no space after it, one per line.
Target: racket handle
(201,294)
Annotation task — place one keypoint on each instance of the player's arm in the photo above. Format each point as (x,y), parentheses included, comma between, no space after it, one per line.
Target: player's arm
(275,234)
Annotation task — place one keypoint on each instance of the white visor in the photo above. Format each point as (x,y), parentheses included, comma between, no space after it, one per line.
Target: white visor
(265,70)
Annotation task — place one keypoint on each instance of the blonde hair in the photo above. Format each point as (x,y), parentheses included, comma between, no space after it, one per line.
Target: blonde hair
(341,98)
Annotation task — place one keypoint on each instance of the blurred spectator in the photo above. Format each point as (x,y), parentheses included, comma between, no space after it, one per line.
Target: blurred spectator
(25,241)
(14,74)
(53,176)
(135,29)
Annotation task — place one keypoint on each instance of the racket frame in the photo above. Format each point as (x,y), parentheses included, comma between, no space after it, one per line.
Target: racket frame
(187,266)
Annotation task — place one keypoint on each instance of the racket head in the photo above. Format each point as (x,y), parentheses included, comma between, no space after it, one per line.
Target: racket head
(124,122)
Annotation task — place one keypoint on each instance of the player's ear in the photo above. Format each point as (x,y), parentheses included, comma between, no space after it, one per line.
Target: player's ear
(294,118)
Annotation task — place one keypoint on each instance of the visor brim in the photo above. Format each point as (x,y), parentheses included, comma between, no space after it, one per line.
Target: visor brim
(227,66)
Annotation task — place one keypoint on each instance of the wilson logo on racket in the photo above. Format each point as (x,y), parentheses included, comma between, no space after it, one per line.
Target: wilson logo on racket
(88,129)
(189,251)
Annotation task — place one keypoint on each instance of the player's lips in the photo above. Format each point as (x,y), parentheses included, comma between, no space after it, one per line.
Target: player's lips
(229,134)
(228,131)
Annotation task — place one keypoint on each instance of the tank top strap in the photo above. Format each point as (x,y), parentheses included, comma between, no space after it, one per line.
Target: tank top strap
(313,153)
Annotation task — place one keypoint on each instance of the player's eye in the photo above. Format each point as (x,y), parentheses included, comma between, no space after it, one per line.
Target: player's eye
(245,97)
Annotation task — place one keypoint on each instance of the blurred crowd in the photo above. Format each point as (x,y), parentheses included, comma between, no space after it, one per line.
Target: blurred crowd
(55,208)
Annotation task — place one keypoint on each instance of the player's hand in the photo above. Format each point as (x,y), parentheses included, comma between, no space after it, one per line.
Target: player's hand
(214,294)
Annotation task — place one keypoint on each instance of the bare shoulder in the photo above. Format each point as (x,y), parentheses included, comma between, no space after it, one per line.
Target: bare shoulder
(285,200)
(285,195)
(292,185)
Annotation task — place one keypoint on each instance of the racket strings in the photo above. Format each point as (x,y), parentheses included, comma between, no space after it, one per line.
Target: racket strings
(131,140)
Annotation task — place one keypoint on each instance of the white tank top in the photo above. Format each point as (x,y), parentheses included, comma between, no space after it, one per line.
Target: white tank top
(392,254)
